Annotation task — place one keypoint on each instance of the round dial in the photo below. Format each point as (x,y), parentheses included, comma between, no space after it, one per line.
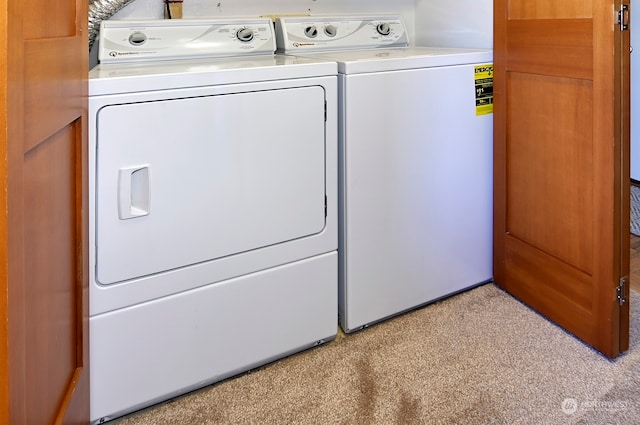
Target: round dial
(245,34)
(384,28)
(311,31)
(137,38)
(330,30)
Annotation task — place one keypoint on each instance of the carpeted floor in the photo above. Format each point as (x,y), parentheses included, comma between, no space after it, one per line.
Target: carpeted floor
(635,210)
(477,358)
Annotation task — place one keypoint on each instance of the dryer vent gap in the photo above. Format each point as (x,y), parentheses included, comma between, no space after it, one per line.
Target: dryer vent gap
(172,9)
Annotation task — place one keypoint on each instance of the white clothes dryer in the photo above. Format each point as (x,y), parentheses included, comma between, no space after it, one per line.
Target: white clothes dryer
(213,207)
(415,155)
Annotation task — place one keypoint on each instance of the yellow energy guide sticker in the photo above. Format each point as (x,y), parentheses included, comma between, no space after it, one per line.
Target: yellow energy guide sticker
(484,89)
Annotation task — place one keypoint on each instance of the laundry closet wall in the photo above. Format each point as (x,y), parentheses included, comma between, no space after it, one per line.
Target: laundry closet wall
(145,9)
(454,23)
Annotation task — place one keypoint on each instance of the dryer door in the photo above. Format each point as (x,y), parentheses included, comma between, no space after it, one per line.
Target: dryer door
(182,181)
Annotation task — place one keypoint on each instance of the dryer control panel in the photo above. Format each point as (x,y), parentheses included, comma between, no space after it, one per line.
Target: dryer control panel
(315,34)
(129,41)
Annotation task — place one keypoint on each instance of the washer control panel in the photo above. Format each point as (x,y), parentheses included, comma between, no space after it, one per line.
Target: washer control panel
(297,34)
(128,41)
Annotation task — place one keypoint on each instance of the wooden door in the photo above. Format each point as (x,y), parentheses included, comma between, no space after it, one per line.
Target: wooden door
(561,227)
(43,226)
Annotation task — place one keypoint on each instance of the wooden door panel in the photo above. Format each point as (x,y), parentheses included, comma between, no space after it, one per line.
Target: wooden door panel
(549,141)
(541,273)
(548,9)
(51,22)
(53,294)
(559,164)
(53,95)
(44,231)
(551,47)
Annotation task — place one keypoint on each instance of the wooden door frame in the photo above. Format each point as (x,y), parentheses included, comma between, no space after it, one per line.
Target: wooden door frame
(622,82)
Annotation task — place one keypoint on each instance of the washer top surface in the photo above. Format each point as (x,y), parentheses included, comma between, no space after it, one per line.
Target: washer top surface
(401,58)
(115,78)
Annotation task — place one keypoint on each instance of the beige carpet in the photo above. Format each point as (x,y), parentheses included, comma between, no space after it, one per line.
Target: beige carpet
(477,358)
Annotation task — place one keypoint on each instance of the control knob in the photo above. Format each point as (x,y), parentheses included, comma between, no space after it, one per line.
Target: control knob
(383,28)
(245,35)
(137,38)
(330,30)
(311,31)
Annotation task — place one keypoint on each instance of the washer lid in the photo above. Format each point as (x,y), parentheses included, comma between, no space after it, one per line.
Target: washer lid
(127,41)
(382,60)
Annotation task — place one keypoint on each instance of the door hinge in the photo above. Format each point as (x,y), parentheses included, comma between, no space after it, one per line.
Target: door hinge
(621,290)
(623,17)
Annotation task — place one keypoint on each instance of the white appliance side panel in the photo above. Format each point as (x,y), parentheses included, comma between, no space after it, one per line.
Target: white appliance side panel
(151,352)
(418,191)
(188,180)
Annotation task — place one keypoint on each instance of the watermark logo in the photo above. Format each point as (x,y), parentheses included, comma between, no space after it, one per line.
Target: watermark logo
(569,406)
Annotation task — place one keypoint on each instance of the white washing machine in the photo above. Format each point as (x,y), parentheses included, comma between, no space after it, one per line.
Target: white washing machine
(415,156)
(213,207)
